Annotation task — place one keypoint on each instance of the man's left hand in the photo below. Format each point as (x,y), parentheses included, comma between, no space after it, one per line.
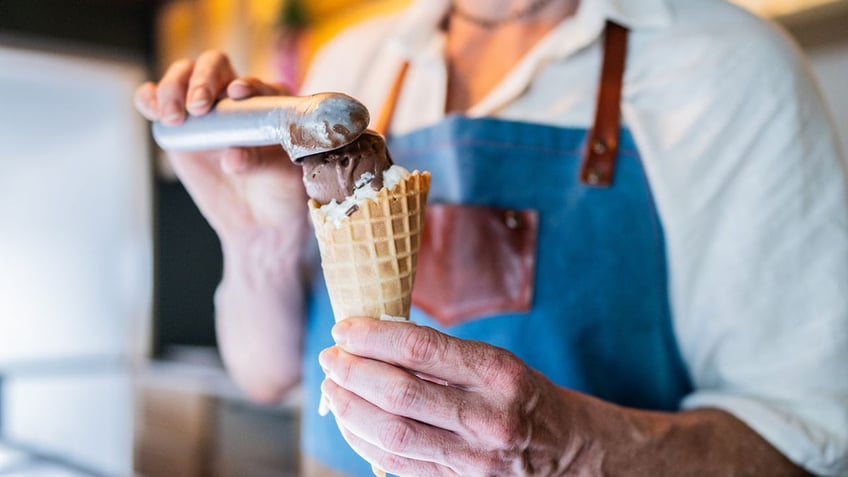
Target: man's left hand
(414,401)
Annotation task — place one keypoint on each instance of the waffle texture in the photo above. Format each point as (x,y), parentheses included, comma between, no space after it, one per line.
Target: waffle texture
(369,259)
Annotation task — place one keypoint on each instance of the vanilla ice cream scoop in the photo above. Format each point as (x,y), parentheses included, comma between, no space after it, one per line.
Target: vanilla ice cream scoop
(302,125)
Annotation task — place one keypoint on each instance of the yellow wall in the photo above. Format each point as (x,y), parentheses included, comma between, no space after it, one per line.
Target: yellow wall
(248,30)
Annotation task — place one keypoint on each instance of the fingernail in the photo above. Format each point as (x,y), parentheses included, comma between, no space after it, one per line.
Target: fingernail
(199,98)
(323,406)
(324,402)
(325,358)
(172,113)
(340,333)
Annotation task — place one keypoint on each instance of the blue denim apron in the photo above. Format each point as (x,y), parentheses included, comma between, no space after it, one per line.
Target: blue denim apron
(600,320)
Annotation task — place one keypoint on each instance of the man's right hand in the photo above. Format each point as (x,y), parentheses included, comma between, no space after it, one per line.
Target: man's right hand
(244,193)
(255,200)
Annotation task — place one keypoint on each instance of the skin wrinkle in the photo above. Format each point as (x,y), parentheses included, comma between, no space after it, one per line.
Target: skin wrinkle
(405,396)
(529,409)
(585,461)
(539,460)
(462,417)
(424,349)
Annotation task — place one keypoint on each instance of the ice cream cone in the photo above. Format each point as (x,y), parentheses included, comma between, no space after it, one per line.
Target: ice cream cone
(369,258)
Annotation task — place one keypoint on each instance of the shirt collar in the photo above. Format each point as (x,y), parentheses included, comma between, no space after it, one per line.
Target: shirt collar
(640,15)
(420,23)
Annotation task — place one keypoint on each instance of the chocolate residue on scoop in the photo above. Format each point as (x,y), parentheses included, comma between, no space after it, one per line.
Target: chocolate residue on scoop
(335,174)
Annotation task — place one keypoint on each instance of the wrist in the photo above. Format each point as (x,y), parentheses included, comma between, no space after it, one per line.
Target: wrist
(624,441)
(571,433)
(259,308)
(596,430)
(266,259)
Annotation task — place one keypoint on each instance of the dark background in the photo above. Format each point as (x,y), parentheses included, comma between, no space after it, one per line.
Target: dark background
(187,255)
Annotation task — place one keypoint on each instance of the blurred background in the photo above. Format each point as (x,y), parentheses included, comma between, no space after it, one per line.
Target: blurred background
(108,360)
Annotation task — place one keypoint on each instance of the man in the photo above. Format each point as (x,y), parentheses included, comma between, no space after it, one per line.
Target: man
(687,310)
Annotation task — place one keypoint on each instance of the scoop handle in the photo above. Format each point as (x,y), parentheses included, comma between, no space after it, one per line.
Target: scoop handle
(302,125)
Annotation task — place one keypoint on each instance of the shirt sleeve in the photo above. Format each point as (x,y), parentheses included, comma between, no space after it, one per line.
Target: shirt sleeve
(751,187)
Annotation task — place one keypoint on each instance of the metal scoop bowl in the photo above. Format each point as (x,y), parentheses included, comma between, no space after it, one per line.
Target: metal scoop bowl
(302,125)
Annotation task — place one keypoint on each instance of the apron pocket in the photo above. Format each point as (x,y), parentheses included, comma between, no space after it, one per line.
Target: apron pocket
(475,261)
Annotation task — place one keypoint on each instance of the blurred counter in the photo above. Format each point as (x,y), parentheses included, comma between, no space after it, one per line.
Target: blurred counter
(191,420)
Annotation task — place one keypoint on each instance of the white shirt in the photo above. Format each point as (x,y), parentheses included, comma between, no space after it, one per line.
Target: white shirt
(745,171)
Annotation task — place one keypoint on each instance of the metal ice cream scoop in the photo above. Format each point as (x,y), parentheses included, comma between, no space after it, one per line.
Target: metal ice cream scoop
(302,125)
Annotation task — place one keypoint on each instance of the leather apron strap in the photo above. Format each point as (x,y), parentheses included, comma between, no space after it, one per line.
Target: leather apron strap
(601,151)
(599,157)
(390,103)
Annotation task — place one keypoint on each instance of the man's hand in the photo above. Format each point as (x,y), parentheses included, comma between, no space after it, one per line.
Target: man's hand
(247,194)
(416,402)
(255,200)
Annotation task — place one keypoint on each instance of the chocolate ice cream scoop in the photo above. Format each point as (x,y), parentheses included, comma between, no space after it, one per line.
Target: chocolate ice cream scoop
(337,173)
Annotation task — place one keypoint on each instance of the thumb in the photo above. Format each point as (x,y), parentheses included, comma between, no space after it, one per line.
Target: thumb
(241,160)
(251,86)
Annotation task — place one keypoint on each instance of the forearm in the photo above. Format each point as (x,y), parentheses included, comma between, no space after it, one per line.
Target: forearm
(259,315)
(705,442)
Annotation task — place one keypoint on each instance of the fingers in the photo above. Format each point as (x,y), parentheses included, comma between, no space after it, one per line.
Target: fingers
(397,391)
(201,173)
(388,433)
(171,92)
(187,86)
(469,364)
(208,81)
(392,463)
(145,101)
(193,87)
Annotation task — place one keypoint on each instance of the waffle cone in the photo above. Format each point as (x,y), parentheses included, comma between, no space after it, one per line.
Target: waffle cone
(369,259)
